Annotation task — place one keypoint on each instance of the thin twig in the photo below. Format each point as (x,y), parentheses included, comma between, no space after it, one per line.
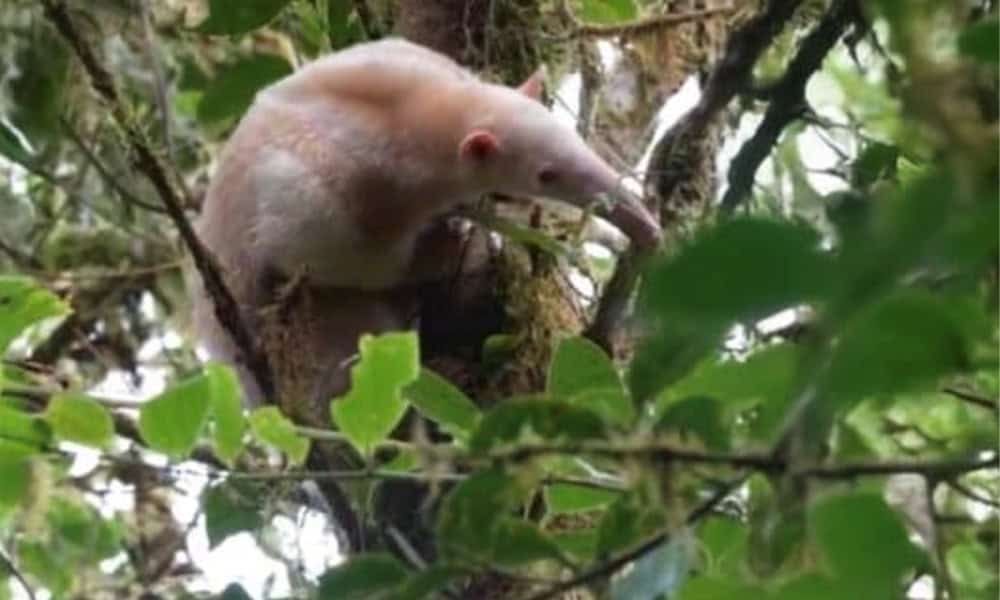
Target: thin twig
(608,568)
(730,75)
(407,548)
(127,196)
(973,398)
(788,99)
(971,494)
(226,308)
(8,565)
(159,80)
(761,462)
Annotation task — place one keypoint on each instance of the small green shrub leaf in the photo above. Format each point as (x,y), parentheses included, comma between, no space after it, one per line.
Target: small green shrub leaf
(363,577)
(440,401)
(273,428)
(172,422)
(226,17)
(77,418)
(369,412)
(228,422)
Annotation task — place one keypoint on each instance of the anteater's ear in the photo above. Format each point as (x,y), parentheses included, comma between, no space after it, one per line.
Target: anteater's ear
(533,85)
(479,146)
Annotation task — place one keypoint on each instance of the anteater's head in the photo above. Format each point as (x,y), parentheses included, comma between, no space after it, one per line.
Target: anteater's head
(515,146)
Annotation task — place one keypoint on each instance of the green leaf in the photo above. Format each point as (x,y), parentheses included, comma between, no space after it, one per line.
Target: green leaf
(981,40)
(84,536)
(901,343)
(516,542)
(231,93)
(581,544)
(613,405)
(971,566)
(230,509)
(583,375)
(579,365)
(273,428)
(656,574)
(571,498)
(763,380)
(876,162)
(851,530)
(229,423)
(13,144)
(698,415)
(725,542)
(24,303)
(343,27)
(440,401)
(39,561)
(742,270)
(15,473)
(777,526)
(229,17)
(666,356)
(373,407)
(709,588)
(607,11)
(427,583)
(364,577)
(631,519)
(77,418)
(22,433)
(406,460)
(813,587)
(172,422)
(535,419)
(473,511)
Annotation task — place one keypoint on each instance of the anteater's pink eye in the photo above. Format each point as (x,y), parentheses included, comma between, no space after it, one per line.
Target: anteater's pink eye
(547,176)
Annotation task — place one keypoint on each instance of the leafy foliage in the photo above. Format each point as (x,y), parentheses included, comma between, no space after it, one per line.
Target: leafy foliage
(848,451)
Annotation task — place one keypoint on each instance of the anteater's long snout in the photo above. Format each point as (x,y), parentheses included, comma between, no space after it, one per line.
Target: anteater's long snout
(627,213)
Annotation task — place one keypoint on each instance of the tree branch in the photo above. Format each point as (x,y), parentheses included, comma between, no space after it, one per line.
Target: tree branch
(973,398)
(971,494)
(608,568)
(226,309)
(729,76)
(8,566)
(941,469)
(648,24)
(760,462)
(787,99)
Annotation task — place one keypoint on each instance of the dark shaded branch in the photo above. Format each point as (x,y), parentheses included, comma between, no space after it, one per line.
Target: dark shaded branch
(730,75)
(971,494)
(787,99)
(846,471)
(610,567)
(124,425)
(760,462)
(226,309)
(8,566)
(973,398)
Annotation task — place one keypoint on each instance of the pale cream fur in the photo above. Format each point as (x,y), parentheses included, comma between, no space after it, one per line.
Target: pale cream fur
(335,171)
